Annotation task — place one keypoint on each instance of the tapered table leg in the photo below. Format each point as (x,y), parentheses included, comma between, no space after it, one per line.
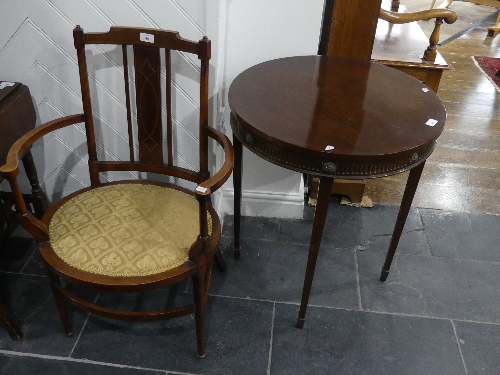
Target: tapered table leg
(411,187)
(10,323)
(325,189)
(237,172)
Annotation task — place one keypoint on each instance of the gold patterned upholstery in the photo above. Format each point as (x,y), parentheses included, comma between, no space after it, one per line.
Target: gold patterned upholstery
(126,229)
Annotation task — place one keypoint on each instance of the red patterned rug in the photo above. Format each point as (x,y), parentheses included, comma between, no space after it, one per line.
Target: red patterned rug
(489,66)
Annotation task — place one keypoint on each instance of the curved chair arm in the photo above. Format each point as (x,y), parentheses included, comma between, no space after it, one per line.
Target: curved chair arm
(439,14)
(447,15)
(11,169)
(212,184)
(22,145)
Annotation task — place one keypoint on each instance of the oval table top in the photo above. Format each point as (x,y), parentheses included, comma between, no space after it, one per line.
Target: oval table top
(334,116)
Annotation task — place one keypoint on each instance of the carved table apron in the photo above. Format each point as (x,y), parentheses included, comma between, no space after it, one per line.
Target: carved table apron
(334,118)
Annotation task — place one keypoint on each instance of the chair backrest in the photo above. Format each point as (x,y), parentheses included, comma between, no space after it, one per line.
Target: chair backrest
(147,47)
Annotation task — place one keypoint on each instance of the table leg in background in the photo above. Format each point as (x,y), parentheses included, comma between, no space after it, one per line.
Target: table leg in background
(411,187)
(325,189)
(36,191)
(237,171)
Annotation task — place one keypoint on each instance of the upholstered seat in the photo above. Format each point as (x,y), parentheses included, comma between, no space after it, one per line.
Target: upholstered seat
(126,229)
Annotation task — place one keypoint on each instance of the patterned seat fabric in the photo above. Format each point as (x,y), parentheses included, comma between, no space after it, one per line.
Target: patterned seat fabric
(126,229)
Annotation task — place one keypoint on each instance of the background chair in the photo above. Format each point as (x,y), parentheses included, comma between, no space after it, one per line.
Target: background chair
(492,30)
(135,235)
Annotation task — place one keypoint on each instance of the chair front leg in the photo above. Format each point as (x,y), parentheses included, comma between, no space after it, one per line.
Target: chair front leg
(200,300)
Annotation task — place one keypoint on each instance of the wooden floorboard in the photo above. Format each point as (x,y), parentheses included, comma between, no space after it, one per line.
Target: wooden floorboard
(463,173)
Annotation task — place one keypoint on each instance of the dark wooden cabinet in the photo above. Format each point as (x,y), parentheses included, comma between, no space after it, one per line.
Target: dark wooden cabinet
(17,117)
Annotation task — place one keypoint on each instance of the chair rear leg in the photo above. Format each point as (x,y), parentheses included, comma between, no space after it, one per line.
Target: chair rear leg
(62,307)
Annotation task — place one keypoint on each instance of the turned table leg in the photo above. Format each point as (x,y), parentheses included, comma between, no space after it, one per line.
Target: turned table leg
(325,188)
(36,190)
(411,187)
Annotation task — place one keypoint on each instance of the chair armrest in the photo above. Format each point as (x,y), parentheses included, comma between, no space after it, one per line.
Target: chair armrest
(22,145)
(440,15)
(11,169)
(216,181)
(447,15)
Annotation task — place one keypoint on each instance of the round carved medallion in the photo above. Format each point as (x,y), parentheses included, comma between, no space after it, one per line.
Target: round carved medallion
(413,157)
(329,167)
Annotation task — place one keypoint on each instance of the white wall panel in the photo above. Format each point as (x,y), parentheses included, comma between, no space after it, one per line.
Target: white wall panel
(258,31)
(80,12)
(11,17)
(194,10)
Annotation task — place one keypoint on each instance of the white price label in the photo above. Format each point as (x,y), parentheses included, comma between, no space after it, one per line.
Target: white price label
(6,84)
(201,189)
(431,122)
(144,37)
(328,148)
(425,89)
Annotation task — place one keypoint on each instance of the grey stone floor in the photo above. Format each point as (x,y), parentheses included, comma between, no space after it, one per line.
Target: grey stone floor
(438,312)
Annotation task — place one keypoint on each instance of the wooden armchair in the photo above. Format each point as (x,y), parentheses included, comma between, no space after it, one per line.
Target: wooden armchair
(403,45)
(17,116)
(135,235)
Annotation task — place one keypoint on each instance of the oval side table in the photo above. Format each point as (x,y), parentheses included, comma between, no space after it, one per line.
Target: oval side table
(333,118)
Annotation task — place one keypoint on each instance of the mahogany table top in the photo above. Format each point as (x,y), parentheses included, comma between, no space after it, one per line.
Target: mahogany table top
(334,116)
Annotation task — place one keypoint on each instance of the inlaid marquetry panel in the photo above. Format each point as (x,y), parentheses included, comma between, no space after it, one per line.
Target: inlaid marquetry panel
(148,99)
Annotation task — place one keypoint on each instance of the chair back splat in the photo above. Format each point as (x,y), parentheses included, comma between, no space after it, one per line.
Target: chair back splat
(140,234)
(148,101)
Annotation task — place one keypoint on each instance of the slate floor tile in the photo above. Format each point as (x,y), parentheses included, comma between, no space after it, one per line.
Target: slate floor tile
(480,344)
(414,243)
(349,342)
(424,281)
(253,227)
(347,226)
(34,264)
(10,365)
(430,286)
(275,271)
(15,253)
(30,300)
(238,337)
(376,220)
(463,235)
